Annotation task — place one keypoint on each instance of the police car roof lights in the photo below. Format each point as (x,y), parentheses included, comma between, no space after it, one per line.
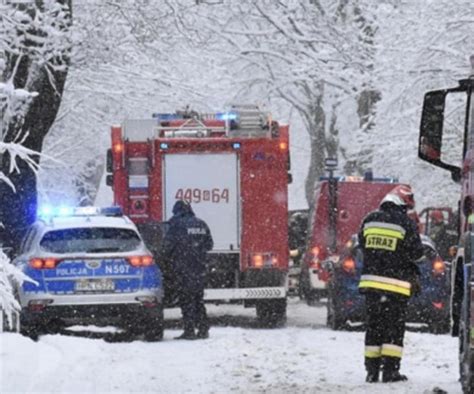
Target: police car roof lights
(112,211)
(48,212)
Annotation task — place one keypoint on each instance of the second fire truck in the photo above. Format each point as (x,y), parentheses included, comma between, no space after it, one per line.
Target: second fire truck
(233,167)
(432,149)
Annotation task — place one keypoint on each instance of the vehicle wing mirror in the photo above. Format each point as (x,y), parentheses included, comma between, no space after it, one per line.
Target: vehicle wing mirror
(109,161)
(109,180)
(431,129)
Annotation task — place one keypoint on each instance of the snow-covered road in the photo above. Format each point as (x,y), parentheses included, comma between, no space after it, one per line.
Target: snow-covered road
(304,357)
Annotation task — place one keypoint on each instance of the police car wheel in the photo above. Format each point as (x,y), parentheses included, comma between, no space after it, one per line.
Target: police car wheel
(32,330)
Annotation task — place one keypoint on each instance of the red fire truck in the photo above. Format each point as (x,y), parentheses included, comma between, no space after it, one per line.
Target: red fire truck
(233,167)
(341,203)
(435,148)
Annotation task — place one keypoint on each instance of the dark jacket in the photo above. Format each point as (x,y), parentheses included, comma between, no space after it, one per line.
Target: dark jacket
(184,250)
(392,247)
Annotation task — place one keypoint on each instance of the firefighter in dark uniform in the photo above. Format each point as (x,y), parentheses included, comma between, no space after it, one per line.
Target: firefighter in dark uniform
(392,247)
(184,250)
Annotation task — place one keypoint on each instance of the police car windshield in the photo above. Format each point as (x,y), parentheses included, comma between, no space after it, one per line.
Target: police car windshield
(90,240)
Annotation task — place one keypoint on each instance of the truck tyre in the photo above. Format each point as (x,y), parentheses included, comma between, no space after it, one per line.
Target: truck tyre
(466,356)
(442,326)
(334,320)
(272,313)
(31,330)
(466,361)
(313,298)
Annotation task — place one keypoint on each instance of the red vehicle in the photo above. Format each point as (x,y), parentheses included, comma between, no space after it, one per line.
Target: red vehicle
(340,205)
(431,138)
(233,167)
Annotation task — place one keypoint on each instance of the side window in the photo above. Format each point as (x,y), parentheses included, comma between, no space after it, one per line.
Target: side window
(27,241)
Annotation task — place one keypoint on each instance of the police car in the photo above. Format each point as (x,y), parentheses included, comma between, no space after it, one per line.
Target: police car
(88,265)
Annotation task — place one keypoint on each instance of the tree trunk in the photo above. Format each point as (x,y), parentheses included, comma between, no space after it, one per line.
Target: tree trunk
(316,120)
(18,208)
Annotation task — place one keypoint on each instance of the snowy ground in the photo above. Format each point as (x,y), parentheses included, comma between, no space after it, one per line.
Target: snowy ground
(304,357)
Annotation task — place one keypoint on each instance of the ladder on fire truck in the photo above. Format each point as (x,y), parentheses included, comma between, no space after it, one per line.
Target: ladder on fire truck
(240,121)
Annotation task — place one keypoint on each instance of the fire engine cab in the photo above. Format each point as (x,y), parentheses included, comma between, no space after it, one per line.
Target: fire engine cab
(233,167)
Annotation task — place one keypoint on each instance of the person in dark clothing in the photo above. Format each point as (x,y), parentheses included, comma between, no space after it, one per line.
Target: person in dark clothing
(184,249)
(391,247)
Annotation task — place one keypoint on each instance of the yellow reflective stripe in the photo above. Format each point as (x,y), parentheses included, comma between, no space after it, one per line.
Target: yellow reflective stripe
(369,284)
(373,351)
(392,351)
(383,231)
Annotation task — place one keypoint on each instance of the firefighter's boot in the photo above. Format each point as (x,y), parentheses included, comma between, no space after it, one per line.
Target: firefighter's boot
(391,366)
(372,365)
(393,376)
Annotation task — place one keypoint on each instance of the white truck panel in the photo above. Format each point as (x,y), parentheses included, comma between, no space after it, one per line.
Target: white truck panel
(210,181)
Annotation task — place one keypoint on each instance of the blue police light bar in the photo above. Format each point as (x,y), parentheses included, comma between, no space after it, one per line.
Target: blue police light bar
(65,211)
(163,145)
(226,115)
(45,211)
(236,145)
(112,211)
(164,117)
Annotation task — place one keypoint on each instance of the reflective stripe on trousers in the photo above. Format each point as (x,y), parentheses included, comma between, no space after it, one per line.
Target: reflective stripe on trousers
(373,351)
(389,350)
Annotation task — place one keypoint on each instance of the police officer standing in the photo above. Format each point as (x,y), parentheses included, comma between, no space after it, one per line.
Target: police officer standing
(391,246)
(184,248)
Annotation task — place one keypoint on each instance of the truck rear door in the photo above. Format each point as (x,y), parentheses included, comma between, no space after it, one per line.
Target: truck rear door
(210,182)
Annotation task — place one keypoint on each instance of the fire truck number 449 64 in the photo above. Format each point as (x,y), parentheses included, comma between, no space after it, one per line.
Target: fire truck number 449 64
(196,195)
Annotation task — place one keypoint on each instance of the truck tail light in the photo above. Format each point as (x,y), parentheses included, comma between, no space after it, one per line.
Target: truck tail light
(349,266)
(45,263)
(118,148)
(438,267)
(141,261)
(314,258)
(263,260)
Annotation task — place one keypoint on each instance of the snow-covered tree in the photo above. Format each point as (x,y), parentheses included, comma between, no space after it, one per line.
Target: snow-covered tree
(34,53)
(421,46)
